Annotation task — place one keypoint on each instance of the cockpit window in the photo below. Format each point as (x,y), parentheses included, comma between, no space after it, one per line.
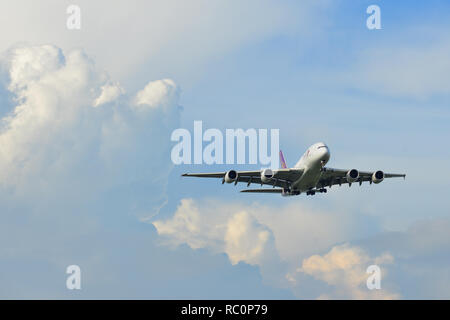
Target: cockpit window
(321,147)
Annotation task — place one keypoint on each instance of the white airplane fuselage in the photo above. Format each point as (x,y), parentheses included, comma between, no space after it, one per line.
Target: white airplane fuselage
(312,162)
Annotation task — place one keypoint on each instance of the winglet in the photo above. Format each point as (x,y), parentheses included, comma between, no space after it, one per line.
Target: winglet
(282,162)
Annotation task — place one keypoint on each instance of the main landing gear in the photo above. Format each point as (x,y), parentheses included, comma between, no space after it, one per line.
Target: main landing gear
(313,192)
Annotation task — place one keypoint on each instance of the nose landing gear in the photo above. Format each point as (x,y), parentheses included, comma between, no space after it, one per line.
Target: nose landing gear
(289,192)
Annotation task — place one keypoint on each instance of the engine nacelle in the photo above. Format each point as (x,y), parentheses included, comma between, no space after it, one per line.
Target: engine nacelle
(352,175)
(231,176)
(378,176)
(266,175)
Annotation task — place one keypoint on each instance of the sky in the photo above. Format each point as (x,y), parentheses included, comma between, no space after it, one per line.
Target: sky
(86,176)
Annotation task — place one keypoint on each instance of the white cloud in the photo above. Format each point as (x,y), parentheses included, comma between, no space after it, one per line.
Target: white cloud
(300,248)
(344,268)
(109,93)
(245,240)
(55,142)
(162,93)
(196,223)
(222,229)
(275,239)
(28,64)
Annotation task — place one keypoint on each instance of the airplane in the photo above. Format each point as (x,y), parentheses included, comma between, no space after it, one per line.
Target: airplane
(308,176)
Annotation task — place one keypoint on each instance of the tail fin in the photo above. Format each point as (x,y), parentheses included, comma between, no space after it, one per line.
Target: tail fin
(282,162)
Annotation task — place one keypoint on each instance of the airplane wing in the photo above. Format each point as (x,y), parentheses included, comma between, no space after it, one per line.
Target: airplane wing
(281,177)
(331,176)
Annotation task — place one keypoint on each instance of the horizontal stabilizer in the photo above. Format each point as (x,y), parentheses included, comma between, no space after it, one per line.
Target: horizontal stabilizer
(263,190)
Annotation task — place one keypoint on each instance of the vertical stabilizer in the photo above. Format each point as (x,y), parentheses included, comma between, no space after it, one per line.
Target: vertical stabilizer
(282,162)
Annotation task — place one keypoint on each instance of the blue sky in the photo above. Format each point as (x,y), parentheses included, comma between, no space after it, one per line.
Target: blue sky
(85,145)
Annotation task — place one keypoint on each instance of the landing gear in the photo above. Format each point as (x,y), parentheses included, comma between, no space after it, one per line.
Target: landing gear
(288,192)
(313,192)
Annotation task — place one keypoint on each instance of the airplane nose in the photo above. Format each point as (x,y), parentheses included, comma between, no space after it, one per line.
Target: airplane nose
(326,154)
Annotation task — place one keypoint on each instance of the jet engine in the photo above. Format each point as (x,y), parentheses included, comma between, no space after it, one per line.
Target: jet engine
(266,175)
(352,175)
(378,176)
(231,176)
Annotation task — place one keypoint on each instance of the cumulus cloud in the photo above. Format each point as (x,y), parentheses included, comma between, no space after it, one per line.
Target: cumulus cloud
(198,222)
(314,253)
(230,230)
(157,94)
(274,239)
(109,93)
(73,131)
(245,240)
(344,268)
(29,64)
